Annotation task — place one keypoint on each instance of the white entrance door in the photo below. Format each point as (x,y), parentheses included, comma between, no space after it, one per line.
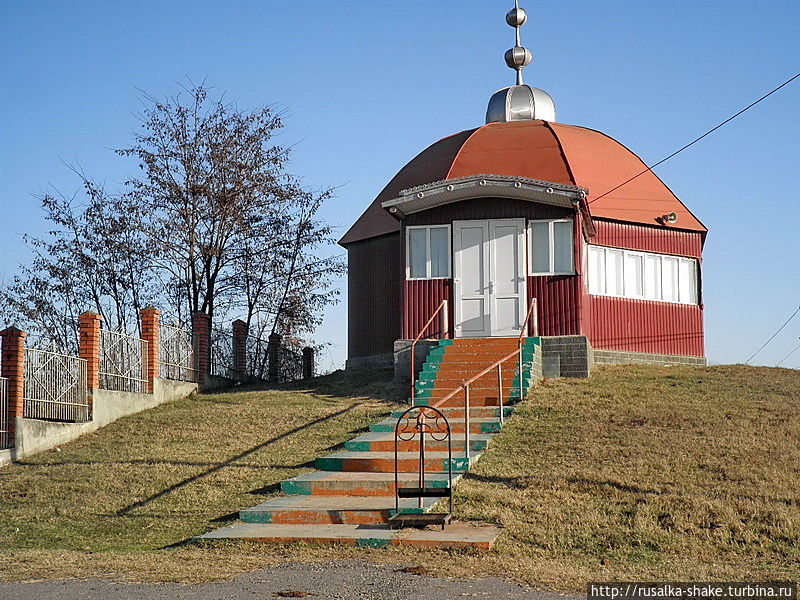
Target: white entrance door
(489,277)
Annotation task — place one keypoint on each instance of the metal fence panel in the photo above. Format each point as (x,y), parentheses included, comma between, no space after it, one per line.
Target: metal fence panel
(176,358)
(257,361)
(291,365)
(221,359)
(123,362)
(257,358)
(5,416)
(55,387)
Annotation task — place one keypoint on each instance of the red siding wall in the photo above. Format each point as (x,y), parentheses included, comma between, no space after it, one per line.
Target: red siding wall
(422,297)
(642,325)
(645,326)
(648,239)
(565,308)
(559,302)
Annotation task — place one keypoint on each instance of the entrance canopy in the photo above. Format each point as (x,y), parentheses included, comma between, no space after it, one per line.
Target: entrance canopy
(483,186)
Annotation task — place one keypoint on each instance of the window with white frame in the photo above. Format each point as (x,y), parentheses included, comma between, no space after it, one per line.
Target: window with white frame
(642,275)
(550,246)
(428,252)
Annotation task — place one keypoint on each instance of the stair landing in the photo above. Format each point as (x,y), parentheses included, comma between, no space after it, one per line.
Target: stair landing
(457,535)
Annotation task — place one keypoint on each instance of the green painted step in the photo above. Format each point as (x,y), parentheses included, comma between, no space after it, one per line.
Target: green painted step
(353,510)
(383,462)
(342,483)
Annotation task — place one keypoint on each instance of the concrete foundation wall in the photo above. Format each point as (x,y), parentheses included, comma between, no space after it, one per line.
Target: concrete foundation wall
(34,435)
(402,358)
(615,357)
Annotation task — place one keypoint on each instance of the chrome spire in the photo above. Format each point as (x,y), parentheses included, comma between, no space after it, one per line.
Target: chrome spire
(518,57)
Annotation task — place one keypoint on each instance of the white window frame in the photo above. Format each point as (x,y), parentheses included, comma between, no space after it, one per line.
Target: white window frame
(428,228)
(644,256)
(552,249)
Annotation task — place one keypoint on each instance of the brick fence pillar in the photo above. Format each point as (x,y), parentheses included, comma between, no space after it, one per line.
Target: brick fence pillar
(240,331)
(274,353)
(13,369)
(89,350)
(201,336)
(150,321)
(308,362)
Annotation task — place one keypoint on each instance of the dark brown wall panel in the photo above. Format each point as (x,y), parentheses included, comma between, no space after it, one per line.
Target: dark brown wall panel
(374,295)
(663,240)
(487,208)
(646,326)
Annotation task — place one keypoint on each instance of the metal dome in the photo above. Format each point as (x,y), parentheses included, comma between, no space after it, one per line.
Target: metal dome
(520,103)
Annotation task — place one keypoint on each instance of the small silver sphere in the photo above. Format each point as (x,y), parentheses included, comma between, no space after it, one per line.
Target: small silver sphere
(516,17)
(518,57)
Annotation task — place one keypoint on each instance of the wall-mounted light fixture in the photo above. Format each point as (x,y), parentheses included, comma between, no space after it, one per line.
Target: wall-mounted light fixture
(670,219)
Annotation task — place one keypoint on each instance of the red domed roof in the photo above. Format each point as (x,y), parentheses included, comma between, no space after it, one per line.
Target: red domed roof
(536,150)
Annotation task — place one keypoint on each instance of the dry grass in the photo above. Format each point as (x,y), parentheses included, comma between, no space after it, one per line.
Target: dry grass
(648,473)
(639,472)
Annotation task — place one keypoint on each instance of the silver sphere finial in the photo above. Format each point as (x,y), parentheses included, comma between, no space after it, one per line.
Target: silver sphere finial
(519,102)
(516,17)
(518,57)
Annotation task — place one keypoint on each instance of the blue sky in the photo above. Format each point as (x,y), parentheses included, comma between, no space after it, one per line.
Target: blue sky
(370,84)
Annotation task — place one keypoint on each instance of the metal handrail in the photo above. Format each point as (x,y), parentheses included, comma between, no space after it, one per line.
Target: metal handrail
(445,329)
(532,309)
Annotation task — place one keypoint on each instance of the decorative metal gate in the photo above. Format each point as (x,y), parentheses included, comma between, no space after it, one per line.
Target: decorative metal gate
(55,387)
(176,357)
(123,362)
(5,414)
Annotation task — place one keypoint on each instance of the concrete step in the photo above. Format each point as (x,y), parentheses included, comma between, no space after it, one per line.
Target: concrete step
(477,425)
(383,462)
(455,412)
(476,398)
(333,483)
(351,510)
(455,535)
(378,441)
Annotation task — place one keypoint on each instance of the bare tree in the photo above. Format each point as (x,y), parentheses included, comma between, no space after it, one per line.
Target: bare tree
(213,223)
(85,262)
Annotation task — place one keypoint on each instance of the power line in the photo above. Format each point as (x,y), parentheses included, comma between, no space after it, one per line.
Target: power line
(747,362)
(694,141)
(788,355)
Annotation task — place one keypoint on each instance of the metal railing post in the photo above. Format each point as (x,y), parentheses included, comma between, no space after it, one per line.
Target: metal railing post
(521,398)
(466,423)
(500,391)
(445,322)
(413,370)
(421,427)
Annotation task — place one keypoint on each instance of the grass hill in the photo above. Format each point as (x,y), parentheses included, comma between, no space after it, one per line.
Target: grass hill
(638,473)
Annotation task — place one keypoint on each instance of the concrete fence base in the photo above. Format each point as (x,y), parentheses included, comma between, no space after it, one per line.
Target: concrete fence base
(33,435)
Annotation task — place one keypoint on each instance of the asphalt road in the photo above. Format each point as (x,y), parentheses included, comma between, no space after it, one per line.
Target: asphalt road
(322,581)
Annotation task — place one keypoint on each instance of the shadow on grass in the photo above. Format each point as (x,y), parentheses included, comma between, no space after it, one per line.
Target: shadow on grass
(515,483)
(222,465)
(375,384)
(267,490)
